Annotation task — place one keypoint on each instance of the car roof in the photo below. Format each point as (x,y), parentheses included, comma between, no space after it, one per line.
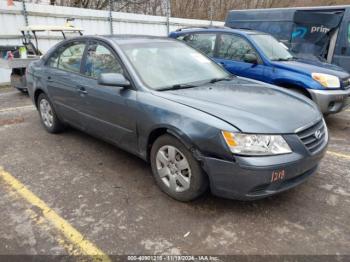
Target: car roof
(125,39)
(133,39)
(240,31)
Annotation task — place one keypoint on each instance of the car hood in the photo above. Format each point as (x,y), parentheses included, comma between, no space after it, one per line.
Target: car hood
(249,106)
(308,67)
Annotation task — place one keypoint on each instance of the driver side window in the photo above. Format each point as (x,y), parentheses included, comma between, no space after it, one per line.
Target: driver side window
(100,60)
(232,47)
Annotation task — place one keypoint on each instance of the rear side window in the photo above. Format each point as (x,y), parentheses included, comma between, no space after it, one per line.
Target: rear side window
(99,60)
(202,42)
(70,58)
(232,47)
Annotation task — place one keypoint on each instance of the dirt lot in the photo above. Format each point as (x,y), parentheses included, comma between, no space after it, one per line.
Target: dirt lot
(108,198)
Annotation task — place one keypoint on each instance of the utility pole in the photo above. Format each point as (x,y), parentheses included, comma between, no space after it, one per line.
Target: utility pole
(211,12)
(24,12)
(25,15)
(168,14)
(110,17)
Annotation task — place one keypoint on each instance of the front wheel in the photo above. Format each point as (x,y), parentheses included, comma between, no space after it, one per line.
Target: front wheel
(48,116)
(176,171)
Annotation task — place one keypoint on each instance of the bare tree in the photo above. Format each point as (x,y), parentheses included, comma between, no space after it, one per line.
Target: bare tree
(197,9)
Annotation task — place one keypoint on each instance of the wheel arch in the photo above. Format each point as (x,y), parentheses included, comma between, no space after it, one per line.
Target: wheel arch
(37,93)
(162,130)
(295,87)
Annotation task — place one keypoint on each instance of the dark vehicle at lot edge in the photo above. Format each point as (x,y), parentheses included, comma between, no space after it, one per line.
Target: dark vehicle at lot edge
(260,56)
(320,31)
(169,104)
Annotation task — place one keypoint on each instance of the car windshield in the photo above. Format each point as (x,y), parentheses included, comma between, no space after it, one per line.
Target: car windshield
(273,49)
(170,65)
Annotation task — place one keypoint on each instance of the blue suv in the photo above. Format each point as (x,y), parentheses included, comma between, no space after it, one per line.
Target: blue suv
(260,56)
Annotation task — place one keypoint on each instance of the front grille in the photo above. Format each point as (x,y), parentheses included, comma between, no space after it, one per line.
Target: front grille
(315,137)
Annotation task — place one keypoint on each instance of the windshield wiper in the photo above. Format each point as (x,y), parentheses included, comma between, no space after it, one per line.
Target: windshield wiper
(284,59)
(215,80)
(177,87)
(185,86)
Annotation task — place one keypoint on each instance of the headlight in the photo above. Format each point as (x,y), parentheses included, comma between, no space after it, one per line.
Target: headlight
(325,80)
(256,145)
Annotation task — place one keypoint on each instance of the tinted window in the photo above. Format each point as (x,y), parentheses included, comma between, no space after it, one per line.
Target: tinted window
(233,47)
(70,58)
(101,60)
(202,42)
(348,36)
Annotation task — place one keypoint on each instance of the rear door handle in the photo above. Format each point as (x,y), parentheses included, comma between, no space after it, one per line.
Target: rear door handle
(82,90)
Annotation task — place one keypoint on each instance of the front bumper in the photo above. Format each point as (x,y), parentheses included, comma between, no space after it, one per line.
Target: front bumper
(251,178)
(331,101)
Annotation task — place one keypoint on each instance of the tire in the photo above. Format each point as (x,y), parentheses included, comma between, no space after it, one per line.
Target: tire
(176,171)
(48,115)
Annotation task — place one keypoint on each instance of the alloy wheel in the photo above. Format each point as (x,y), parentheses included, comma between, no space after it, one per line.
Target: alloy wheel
(173,168)
(46,113)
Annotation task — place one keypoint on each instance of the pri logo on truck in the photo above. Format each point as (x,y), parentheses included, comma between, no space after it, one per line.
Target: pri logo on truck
(320,29)
(301,31)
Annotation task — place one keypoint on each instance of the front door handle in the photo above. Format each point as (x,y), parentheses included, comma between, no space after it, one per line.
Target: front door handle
(82,90)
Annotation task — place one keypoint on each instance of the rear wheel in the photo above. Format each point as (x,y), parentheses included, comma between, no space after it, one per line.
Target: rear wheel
(48,116)
(176,171)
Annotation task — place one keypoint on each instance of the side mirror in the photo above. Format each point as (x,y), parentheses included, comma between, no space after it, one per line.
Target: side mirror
(250,58)
(113,79)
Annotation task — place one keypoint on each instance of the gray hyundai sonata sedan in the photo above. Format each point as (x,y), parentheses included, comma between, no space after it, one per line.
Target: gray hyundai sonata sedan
(197,125)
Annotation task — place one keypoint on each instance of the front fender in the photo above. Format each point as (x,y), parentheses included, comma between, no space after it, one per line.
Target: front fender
(198,131)
(284,77)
